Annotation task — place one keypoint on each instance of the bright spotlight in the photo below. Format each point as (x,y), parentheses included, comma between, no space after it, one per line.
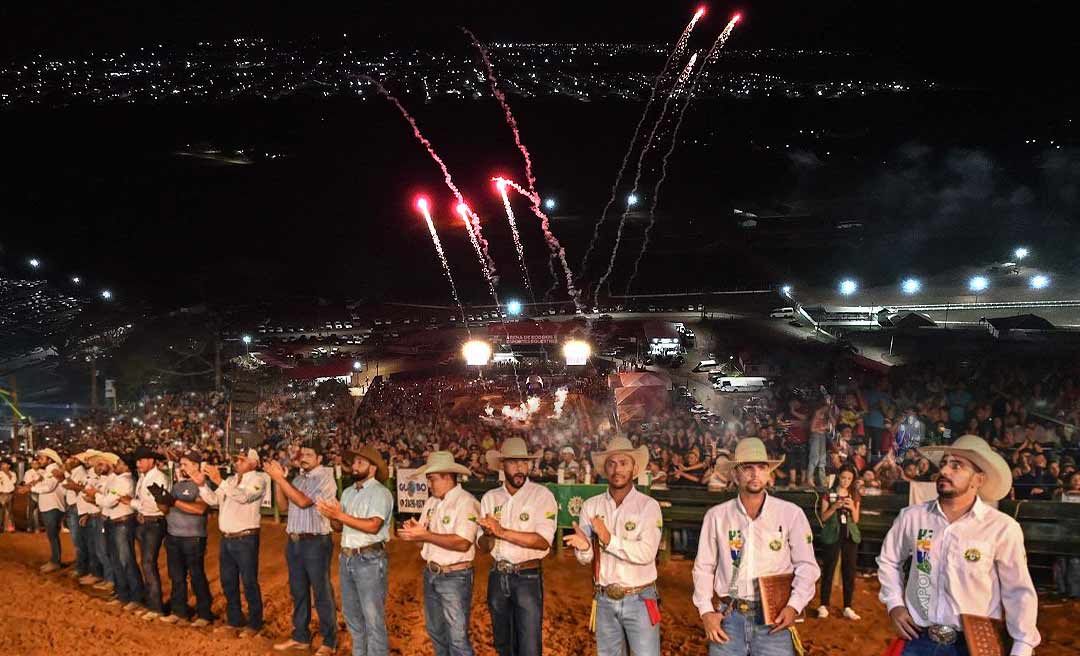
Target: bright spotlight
(786,290)
(514,307)
(911,286)
(848,287)
(1020,253)
(76,279)
(106,294)
(476,352)
(34,262)
(576,352)
(356,365)
(549,204)
(978,284)
(246,339)
(1040,281)
(632,200)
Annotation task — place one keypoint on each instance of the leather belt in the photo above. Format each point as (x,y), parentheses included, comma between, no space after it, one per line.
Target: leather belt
(942,634)
(296,537)
(616,591)
(118,520)
(507,567)
(436,568)
(744,606)
(356,551)
(143,519)
(240,534)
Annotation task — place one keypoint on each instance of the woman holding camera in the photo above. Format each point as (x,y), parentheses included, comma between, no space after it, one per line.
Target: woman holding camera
(840,536)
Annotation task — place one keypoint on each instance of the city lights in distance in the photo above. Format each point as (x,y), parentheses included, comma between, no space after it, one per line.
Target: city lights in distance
(34,262)
(246,339)
(106,294)
(848,287)
(1039,282)
(76,279)
(476,352)
(978,284)
(911,286)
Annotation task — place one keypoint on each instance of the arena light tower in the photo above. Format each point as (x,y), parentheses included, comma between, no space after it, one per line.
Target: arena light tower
(576,352)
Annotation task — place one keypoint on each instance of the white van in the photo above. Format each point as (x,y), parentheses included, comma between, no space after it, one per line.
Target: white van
(704,365)
(782,313)
(741,384)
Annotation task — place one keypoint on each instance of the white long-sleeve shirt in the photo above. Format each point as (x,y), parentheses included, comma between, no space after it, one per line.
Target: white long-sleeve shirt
(7,482)
(239,502)
(635,525)
(50,494)
(778,541)
(455,514)
(143,502)
(114,487)
(92,481)
(532,509)
(976,565)
(77,476)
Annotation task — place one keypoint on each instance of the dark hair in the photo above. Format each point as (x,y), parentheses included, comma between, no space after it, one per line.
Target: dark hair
(314,446)
(853,489)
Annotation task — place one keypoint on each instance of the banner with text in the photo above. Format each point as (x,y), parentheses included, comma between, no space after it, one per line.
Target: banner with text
(412,493)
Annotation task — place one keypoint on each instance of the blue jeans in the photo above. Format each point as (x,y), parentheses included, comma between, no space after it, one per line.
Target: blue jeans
(187,555)
(1067,576)
(447,607)
(33,517)
(309,570)
(516,602)
(750,635)
(100,561)
(150,534)
(924,646)
(79,537)
(121,539)
(625,624)
(52,520)
(239,559)
(817,458)
(363,601)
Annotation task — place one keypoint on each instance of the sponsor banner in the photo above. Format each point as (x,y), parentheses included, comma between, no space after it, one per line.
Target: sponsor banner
(412,493)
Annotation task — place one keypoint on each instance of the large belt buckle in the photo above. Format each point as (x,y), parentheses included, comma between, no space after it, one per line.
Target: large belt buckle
(942,634)
(615,592)
(294,537)
(742,606)
(505,567)
(433,567)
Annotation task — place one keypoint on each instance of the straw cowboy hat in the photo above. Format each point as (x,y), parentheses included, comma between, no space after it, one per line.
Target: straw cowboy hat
(370,454)
(85,456)
(974,448)
(622,445)
(512,449)
(110,458)
(748,450)
(51,455)
(440,462)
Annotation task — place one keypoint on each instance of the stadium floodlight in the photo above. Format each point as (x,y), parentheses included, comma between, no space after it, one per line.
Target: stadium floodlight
(1020,253)
(1039,282)
(76,279)
(356,365)
(911,286)
(848,287)
(106,294)
(477,352)
(514,307)
(978,284)
(34,262)
(576,352)
(631,200)
(786,290)
(550,204)
(246,339)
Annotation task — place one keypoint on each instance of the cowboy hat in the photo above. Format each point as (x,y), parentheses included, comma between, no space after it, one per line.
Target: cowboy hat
(512,449)
(371,454)
(142,452)
(51,455)
(440,462)
(85,456)
(748,450)
(974,448)
(622,445)
(110,458)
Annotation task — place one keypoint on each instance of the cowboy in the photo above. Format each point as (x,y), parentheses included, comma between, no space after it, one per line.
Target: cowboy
(363,518)
(968,558)
(115,497)
(517,526)
(742,540)
(308,551)
(150,527)
(185,543)
(101,574)
(239,503)
(447,528)
(622,528)
(50,501)
(73,485)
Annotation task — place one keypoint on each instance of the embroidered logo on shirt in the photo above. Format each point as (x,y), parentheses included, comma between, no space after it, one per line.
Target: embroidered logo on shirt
(550,515)
(471,518)
(446,519)
(972,555)
(735,545)
(524,517)
(574,505)
(924,540)
(498,512)
(660,523)
(775,545)
(809,538)
(629,526)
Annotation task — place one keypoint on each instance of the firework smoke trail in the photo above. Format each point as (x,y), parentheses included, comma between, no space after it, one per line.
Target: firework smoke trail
(680,45)
(556,248)
(655,198)
(554,278)
(472,224)
(530,179)
(685,75)
(425,210)
(500,184)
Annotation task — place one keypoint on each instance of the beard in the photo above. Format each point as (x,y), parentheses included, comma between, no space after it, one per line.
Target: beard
(950,492)
(362,473)
(517,480)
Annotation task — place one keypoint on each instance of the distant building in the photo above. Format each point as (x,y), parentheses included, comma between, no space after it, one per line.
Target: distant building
(1000,327)
(661,338)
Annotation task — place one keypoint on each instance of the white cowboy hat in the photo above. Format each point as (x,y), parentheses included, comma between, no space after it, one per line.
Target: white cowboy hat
(440,462)
(512,449)
(974,448)
(748,450)
(110,458)
(622,445)
(85,456)
(51,455)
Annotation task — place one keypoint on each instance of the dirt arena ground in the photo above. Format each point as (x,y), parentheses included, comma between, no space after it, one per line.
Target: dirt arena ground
(46,615)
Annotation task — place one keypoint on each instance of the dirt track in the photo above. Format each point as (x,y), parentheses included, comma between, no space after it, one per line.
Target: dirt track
(47,615)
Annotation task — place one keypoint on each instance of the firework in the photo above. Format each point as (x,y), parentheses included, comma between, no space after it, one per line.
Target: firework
(425,210)
(685,75)
(467,217)
(500,184)
(680,45)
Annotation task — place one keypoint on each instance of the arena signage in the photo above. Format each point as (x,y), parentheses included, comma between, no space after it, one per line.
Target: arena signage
(412,493)
(532,339)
